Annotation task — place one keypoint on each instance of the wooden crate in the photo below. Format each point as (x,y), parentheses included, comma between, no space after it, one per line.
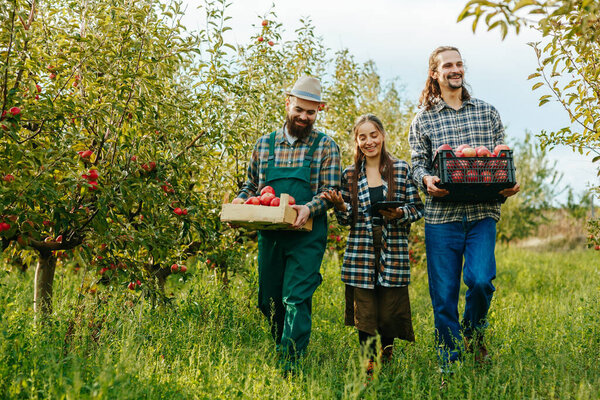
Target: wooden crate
(263,217)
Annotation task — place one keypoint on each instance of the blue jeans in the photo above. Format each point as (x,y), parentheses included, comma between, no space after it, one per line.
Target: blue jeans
(446,244)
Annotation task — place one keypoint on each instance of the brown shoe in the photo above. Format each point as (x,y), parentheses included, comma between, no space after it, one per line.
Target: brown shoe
(477,346)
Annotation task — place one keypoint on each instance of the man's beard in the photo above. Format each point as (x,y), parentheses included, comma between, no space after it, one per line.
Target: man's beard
(295,130)
(453,85)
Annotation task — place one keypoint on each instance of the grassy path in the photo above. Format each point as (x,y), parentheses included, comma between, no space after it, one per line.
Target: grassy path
(211,343)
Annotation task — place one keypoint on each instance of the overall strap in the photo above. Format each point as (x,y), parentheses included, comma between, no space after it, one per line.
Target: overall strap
(309,156)
(272,149)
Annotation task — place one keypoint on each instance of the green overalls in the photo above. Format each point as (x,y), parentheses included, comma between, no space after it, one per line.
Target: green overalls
(289,261)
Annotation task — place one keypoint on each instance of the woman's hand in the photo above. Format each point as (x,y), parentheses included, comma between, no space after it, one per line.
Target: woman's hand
(334,197)
(392,213)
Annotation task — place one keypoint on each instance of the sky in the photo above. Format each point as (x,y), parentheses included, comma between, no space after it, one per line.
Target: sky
(399,35)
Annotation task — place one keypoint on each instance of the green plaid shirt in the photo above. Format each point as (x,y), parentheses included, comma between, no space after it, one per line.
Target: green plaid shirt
(325,169)
(476,123)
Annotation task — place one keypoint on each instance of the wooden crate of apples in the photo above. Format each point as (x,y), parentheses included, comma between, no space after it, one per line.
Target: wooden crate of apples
(264,212)
(474,175)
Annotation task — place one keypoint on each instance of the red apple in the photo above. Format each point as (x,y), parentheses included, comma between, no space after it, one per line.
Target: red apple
(85,153)
(52,75)
(39,88)
(260,39)
(238,200)
(174,268)
(483,151)
(275,202)
(131,286)
(59,239)
(134,158)
(265,22)
(152,165)
(254,200)
(267,189)
(291,201)
(93,185)
(500,147)
(183,269)
(462,146)
(266,198)
(472,175)
(92,175)
(8,178)
(444,147)
(501,175)
(469,152)
(457,176)
(15,111)
(271,43)
(184,211)
(464,164)
(458,153)
(479,164)
(486,176)
(138,283)
(178,211)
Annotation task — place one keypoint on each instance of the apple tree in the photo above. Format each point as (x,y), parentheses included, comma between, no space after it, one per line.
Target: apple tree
(568,60)
(104,161)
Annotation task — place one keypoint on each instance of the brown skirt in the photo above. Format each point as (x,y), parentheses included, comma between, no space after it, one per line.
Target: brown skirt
(383,310)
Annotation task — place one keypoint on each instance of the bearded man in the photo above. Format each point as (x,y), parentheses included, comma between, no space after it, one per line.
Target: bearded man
(455,230)
(304,163)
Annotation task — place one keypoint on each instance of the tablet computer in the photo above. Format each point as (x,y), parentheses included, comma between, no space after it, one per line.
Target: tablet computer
(384,205)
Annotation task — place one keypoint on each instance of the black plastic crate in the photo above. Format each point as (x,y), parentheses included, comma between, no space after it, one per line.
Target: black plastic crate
(474,179)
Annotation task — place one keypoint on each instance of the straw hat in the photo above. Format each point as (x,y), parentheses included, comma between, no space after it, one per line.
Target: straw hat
(307,88)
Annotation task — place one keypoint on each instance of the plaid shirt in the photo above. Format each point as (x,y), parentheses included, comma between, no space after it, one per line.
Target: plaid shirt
(358,268)
(475,123)
(325,169)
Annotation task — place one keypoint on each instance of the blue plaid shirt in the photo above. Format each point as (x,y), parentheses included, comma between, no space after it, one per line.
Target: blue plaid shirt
(325,168)
(358,268)
(476,123)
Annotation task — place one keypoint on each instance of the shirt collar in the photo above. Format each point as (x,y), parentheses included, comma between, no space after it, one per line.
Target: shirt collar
(441,104)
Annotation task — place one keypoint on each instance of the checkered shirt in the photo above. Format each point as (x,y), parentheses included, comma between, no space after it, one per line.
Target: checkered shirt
(358,268)
(476,123)
(325,168)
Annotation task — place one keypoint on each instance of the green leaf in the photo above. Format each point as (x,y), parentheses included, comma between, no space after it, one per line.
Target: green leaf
(537,85)
(523,3)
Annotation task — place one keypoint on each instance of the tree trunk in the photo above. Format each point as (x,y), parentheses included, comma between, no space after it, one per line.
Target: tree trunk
(44,278)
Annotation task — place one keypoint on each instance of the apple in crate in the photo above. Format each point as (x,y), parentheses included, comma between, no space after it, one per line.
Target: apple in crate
(253,201)
(472,175)
(275,202)
(444,147)
(486,176)
(469,152)
(501,175)
(267,189)
(483,151)
(462,147)
(266,197)
(457,176)
(499,148)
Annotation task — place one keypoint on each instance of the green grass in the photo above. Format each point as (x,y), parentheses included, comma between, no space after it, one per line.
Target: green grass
(212,343)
